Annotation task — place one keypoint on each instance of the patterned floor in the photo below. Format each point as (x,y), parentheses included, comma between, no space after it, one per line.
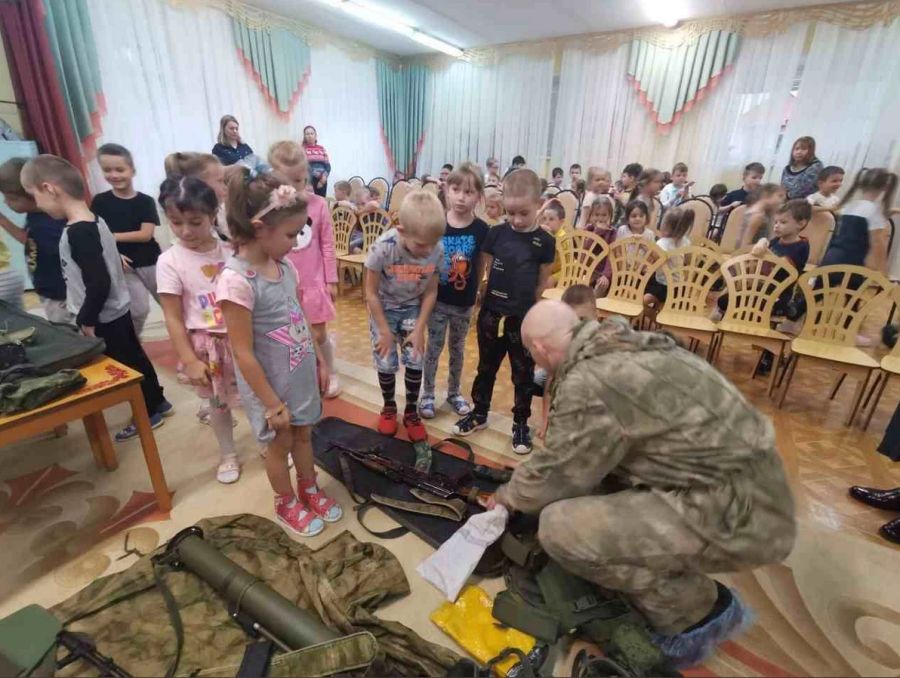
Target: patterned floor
(831,609)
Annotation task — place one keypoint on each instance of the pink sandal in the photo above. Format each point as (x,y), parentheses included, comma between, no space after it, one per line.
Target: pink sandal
(318,502)
(295,516)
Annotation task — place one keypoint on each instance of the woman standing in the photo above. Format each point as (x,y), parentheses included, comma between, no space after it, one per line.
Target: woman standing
(799,177)
(317,157)
(230,148)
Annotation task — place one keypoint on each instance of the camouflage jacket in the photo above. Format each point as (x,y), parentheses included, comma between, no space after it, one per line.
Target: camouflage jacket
(636,407)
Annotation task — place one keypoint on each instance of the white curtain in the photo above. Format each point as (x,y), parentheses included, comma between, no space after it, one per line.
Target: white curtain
(170,73)
(849,98)
(477,111)
(600,121)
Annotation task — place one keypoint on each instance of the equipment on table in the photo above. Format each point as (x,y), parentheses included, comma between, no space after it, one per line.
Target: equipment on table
(51,347)
(24,388)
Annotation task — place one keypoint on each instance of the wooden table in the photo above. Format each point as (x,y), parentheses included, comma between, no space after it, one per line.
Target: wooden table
(108,383)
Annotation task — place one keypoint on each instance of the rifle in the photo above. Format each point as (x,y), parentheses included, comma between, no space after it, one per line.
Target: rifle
(81,646)
(438,484)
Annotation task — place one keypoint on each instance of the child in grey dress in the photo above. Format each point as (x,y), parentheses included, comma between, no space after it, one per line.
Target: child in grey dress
(277,370)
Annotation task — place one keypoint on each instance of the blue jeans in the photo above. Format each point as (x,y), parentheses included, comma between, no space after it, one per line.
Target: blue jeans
(401,322)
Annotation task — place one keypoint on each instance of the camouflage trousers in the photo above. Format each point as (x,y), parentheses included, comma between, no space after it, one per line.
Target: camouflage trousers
(632,542)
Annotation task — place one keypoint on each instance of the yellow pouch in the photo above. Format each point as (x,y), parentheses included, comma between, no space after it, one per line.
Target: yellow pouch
(470,623)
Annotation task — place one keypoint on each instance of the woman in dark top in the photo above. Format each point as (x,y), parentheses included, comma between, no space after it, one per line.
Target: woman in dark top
(230,148)
(800,176)
(317,158)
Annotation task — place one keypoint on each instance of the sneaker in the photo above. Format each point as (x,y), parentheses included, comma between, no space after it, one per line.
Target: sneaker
(387,422)
(459,404)
(414,427)
(334,387)
(521,439)
(469,424)
(166,409)
(766,362)
(426,408)
(229,471)
(130,431)
(318,502)
(294,515)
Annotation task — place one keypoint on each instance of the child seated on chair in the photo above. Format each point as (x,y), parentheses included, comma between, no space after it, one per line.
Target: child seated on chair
(753,174)
(717,192)
(637,216)
(599,220)
(493,206)
(599,182)
(677,223)
(342,191)
(829,183)
(759,218)
(679,189)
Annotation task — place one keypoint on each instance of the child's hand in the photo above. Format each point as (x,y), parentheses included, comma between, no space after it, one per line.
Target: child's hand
(488,502)
(278,420)
(126,263)
(542,431)
(332,291)
(323,375)
(760,248)
(198,372)
(383,343)
(87,331)
(417,340)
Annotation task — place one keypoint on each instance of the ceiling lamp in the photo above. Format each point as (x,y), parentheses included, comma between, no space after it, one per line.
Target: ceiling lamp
(665,12)
(393,22)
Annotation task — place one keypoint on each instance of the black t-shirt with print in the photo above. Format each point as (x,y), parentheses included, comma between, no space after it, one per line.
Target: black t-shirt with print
(518,257)
(124,215)
(459,279)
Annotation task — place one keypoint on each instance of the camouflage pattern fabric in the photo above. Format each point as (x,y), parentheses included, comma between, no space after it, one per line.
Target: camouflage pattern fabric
(702,488)
(33,391)
(342,582)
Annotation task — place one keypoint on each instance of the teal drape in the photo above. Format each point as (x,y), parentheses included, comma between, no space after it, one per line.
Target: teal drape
(71,40)
(277,59)
(670,79)
(401,101)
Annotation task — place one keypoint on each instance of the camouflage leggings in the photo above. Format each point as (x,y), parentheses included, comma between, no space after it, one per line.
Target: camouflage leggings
(457,318)
(632,542)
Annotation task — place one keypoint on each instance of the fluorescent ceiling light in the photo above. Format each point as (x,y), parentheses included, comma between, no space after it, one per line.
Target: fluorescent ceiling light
(378,16)
(666,12)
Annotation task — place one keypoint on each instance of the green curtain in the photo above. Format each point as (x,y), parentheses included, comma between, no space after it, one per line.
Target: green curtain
(670,79)
(277,59)
(401,101)
(71,38)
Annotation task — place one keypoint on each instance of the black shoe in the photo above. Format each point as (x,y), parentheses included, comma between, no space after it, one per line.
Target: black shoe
(765,363)
(883,499)
(891,531)
(469,424)
(521,439)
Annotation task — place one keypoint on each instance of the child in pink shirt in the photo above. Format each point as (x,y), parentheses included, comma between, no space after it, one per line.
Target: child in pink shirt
(186,277)
(313,256)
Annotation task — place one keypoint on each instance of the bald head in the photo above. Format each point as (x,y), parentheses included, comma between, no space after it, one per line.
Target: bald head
(547,332)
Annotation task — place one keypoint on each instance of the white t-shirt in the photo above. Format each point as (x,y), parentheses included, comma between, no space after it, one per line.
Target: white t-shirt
(868,210)
(667,245)
(624,232)
(819,200)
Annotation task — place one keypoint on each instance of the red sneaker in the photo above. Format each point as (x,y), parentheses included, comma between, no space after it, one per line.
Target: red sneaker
(387,422)
(414,427)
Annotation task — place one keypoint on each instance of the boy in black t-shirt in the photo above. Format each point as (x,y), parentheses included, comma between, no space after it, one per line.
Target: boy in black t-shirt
(519,257)
(132,218)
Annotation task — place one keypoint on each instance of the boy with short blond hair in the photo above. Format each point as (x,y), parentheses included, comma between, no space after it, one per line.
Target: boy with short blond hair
(402,273)
(519,257)
(95,283)
(679,190)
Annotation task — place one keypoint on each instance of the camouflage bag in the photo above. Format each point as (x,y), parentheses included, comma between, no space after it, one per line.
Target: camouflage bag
(342,583)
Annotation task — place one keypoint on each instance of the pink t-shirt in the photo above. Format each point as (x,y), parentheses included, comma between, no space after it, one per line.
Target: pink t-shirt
(313,256)
(193,277)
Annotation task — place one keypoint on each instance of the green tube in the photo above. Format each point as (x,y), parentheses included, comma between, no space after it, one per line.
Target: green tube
(290,626)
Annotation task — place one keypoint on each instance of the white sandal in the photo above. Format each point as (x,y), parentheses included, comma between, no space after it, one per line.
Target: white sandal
(229,471)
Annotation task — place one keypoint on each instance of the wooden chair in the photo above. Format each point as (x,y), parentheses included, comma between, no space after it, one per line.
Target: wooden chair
(552,190)
(754,285)
(818,232)
(890,364)
(569,201)
(373,224)
(731,234)
(581,252)
(400,190)
(703,216)
(380,184)
(633,261)
(357,182)
(690,275)
(703,241)
(343,221)
(837,304)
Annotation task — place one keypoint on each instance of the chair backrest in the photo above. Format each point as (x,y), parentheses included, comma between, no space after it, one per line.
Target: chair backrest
(357,182)
(703,241)
(731,234)
(633,262)
(703,215)
(581,252)
(552,190)
(839,300)
(343,220)
(400,190)
(705,199)
(754,285)
(690,274)
(818,231)
(380,184)
(373,224)
(569,201)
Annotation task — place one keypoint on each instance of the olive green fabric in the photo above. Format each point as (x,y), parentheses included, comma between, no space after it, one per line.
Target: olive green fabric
(343,582)
(31,392)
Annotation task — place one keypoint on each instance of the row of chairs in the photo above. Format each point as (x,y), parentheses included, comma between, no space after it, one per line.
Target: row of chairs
(838,298)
